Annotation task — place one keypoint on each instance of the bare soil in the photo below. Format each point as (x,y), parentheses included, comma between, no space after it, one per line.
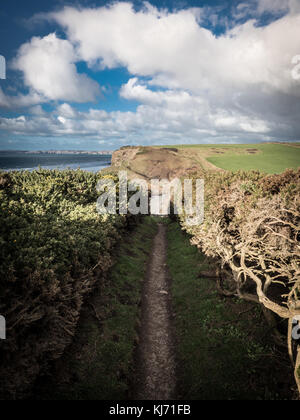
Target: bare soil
(155,376)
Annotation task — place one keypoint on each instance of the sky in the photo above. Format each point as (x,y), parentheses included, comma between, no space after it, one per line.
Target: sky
(98,75)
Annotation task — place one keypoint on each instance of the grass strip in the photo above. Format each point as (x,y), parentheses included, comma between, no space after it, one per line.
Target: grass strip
(224,352)
(99,363)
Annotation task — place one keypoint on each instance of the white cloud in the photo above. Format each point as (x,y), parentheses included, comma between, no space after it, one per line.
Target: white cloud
(278,6)
(175,46)
(49,69)
(20,101)
(273,6)
(165,119)
(66,110)
(191,85)
(136,90)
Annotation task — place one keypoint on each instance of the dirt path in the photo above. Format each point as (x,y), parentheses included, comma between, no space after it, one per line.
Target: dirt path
(156,367)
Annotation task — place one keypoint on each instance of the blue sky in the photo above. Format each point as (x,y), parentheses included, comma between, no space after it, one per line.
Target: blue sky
(97,75)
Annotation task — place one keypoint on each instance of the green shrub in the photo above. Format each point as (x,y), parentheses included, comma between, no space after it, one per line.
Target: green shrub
(55,247)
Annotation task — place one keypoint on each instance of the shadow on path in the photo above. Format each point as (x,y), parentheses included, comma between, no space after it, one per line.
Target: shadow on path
(156,366)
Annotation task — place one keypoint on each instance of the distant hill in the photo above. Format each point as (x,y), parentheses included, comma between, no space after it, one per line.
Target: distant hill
(174,161)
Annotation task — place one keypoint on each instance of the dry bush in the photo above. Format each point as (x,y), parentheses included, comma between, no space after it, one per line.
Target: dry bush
(252,226)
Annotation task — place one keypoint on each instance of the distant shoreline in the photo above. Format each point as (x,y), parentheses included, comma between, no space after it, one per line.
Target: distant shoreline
(60,152)
(88,161)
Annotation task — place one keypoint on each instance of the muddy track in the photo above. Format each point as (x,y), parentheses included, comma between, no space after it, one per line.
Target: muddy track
(155,361)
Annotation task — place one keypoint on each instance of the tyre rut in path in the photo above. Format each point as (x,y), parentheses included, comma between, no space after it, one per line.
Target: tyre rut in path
(156,367)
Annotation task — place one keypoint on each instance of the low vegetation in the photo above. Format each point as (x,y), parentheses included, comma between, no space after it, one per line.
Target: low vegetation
(251,229)
(55,248)
(99,364)
(56,259)
(224,349)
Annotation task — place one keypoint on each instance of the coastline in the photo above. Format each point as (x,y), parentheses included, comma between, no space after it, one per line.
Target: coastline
(27,161)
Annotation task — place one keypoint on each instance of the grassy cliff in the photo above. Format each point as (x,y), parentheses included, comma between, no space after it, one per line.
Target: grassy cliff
(175,161)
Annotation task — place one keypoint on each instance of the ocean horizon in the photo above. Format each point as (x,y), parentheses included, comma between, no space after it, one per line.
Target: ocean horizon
(29,161)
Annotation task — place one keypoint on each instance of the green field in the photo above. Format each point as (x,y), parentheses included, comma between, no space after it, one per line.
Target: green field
(269,157)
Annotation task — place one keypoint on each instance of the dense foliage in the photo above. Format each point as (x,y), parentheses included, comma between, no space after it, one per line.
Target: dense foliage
(54,248)
(251,228)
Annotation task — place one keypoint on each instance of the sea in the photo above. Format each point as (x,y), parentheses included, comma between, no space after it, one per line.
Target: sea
(20,161)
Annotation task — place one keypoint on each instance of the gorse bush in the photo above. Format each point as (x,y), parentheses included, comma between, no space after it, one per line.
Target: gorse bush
(252,228)
(54,248)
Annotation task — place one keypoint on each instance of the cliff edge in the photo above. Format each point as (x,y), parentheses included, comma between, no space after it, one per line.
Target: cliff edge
(159,162)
